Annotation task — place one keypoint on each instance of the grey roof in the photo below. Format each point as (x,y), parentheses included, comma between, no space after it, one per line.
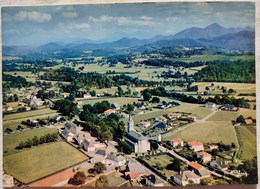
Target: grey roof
(221,163)
(186,175)
(101,152)
(115,105)
(161,125)
(229,106)
(155,180)
(135,136)
(71,128)
(203,172)
(115,158)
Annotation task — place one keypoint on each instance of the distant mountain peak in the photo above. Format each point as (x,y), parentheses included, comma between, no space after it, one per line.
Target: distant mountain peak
(215,26)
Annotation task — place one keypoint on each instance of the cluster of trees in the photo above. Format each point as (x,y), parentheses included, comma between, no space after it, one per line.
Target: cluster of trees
(15,82)
(42,94)
(96,108)
(106,128)
(236,71)
(148,93)
(169,62)
(11,98)
(78,179)
(66,107)
(114,72)
(124,147)
(250,167)
(241,119)
(35,141)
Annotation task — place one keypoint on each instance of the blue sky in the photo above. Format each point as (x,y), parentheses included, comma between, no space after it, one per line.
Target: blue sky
(109,22)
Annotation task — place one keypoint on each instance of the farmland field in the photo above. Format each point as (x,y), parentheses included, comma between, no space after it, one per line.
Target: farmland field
(247,138)
(120,100)
(41,161)
(11,141)
(208,132)
(229,116)
(29,114)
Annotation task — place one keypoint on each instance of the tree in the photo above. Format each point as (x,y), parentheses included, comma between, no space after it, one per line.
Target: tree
(154,145)
(102,181)
(120,91)
(240,119)
(230,91)
(147,96)
(207,88)
(250,167)
(99,167)
(28,143)
(16,98)
(78,179)
(35,141)
(156,99)
(125,147)
(175,165)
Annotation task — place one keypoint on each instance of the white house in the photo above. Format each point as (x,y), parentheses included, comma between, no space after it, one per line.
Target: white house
(8,180)
(210,105)
(196,146)
(144,124)
(109,111)
(175,142)
(204,156)
(173,115)
(7,108)
(161,118)
(87,95)
(115,160)
(186,177)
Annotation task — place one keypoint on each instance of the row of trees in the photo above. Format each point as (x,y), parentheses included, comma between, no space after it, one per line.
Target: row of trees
(35,141)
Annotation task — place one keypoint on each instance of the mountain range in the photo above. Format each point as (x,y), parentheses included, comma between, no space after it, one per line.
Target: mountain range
(213,35)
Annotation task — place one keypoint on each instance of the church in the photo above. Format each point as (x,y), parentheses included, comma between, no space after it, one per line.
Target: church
(138,142)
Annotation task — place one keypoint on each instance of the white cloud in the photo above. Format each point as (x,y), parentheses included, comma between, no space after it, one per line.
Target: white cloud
(32,16)
(72,26)
(69,14)
(140,21)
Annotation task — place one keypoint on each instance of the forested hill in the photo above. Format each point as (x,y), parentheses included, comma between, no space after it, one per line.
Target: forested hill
(237,71)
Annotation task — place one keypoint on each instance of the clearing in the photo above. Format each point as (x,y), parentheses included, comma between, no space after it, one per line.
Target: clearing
(208,132)
(30,165)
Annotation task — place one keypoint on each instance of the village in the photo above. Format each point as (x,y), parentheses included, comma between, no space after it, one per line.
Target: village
(152,161)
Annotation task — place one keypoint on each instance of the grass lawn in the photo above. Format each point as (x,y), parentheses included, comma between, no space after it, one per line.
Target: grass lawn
(114,179)
(11,141)
(29,114)
(239,87)
(195,109)
(38,162)
(229,116)
(161,161)
(208,132)
(247,138)
(120,100)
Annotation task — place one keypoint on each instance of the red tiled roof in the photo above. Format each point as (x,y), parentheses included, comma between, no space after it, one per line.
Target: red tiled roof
(248,121)
(163,117)
(195,143)
(53,179)
(174,114)
(109,111)
(134,175)
(204,154)
(195,165)
(144,122)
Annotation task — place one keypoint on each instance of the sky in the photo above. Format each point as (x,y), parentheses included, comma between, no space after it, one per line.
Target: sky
(109,22)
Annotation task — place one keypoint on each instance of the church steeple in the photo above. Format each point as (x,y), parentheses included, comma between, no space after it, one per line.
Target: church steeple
(130,124)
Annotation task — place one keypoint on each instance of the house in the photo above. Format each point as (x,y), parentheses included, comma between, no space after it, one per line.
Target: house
(152,180)
(69,131)
(191,118)
(176,142)
(248,121)
(115,160)
(115,106)
(8,180)
(80,137)
(57,117)
(144,124)
(199,169)
(162,126)
(124,115)
(186,177)
(229,107)
(161,118)
(213,146)
(139,106)
(160,106)
(204,156)
(7,108)
(196,146)
(210,105)
(87,95)
(91,145)
(134,170)
(219,164)
(109,111)
(173,115)
(99,156)
(36,102)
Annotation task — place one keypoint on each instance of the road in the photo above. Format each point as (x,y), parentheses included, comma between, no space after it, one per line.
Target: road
(163,149)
